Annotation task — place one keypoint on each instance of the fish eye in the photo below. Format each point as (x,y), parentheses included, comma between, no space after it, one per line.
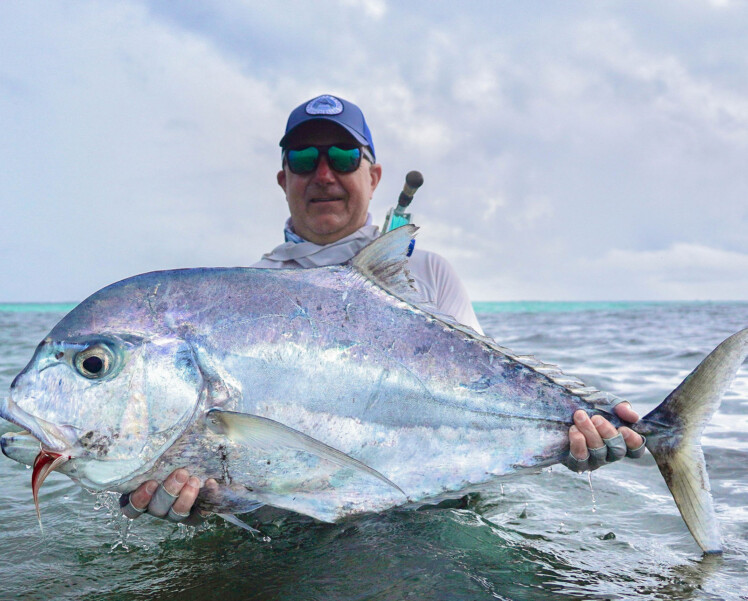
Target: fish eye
(94,362)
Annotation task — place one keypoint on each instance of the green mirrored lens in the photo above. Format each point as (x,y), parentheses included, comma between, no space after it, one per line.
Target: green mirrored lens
(344,160)
(302,161)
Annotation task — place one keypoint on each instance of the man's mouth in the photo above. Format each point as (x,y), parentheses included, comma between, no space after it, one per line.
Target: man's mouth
(324,199)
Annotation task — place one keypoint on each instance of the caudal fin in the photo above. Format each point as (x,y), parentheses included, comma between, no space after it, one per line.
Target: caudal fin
(675,439)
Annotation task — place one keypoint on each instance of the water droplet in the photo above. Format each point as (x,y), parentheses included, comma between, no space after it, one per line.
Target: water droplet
(592,492)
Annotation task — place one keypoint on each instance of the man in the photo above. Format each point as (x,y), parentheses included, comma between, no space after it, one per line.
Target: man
(329,174)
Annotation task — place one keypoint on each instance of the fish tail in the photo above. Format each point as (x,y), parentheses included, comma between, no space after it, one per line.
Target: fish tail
(675,437)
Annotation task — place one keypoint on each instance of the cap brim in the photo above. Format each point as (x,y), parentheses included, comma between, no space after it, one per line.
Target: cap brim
(357,136)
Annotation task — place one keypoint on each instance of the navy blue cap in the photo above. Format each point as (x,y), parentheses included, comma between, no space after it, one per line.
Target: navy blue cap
(331,108)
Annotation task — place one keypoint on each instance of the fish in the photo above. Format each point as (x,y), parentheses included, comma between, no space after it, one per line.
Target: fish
(329,392)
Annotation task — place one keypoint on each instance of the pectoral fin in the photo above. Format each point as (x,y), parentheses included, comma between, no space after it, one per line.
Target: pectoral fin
(268,434)
(232,519)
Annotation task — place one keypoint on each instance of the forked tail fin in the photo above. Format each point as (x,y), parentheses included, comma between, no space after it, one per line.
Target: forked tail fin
(675,436)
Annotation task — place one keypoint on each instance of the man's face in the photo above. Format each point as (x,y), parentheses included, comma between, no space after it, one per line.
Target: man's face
(326,205)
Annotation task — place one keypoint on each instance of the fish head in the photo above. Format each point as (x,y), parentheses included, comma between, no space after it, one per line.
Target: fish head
(110,403)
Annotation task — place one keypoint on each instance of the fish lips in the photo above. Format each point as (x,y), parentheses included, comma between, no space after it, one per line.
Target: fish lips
(20,446)
(25,448)
(52,437)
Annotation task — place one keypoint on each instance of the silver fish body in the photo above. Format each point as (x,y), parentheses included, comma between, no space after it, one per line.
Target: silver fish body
(327,391)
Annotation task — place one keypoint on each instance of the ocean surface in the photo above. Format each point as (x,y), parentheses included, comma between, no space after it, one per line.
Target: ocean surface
(549,535)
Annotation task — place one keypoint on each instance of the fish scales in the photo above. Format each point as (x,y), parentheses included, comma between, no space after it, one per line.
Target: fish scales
(303,358)
(329,392)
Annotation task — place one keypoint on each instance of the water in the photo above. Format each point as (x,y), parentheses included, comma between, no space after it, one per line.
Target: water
(551,535)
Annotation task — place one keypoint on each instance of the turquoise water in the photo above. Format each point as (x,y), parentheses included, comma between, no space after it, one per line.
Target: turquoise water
(549,535)
(484,307)
(36,307)
(491,307)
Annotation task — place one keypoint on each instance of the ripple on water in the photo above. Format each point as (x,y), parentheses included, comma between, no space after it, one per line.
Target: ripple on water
(543,537)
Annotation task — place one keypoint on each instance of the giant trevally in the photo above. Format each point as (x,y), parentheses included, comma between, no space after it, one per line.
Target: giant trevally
(328,392)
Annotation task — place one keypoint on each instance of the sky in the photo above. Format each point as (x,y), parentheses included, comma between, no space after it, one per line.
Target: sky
(571,150)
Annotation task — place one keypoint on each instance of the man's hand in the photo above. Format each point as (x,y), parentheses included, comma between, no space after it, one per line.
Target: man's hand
(172,500)
(595,442)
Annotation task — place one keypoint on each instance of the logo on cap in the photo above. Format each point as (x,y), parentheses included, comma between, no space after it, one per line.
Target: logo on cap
(324,105)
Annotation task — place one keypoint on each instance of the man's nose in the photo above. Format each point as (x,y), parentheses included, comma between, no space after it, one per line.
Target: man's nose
(324,173)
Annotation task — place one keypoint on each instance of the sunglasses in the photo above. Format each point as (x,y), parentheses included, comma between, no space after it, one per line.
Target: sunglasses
(341,158)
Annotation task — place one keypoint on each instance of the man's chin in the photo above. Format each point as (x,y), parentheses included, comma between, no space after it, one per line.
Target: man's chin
(327,231)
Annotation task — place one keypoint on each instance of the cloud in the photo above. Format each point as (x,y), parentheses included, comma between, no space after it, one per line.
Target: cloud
(142,135)
(145,154)
(679,272)
(682,270)
(661,83)
(682,262)
(374,9)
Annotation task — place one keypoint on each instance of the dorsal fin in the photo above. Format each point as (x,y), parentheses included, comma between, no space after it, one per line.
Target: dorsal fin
(383,262)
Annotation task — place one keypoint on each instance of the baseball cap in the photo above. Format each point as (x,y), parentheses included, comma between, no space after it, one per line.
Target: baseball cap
(331,108)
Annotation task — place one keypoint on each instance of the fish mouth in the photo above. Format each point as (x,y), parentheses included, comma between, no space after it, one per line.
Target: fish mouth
(51,437)
(43,440)
(22,447)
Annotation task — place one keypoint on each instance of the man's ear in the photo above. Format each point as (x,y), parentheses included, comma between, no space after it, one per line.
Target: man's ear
(281,177)
(375,173)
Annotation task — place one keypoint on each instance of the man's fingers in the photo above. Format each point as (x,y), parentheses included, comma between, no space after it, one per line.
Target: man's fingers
(174,499)
(141,496)
(626,413)
(188,494)
(603,427)
(595,441)
(211,485)
(176,481)
(132,505)
(633,440)
(167,493)
(588,429)
(578,444)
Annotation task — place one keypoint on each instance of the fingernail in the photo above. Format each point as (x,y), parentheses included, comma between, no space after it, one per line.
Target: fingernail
(597,420)
(573,429)
(627,433)
(194,482)
(181,476)
(151,487)
(580,417)
(631,409)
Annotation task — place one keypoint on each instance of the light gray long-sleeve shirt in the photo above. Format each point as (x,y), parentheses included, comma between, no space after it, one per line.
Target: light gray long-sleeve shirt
(435,279)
